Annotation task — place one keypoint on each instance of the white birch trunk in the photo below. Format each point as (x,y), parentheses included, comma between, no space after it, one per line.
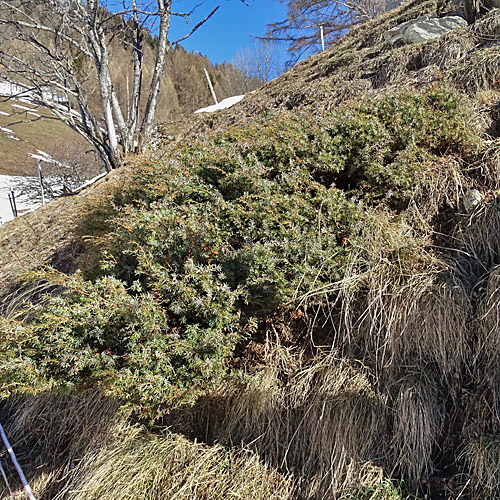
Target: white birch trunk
(79,29)
(164,9)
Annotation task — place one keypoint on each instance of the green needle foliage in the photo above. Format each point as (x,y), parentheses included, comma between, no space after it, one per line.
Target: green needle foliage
(220,233)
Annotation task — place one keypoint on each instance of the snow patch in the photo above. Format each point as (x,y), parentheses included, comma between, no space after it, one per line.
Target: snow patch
(27,94)
(9,89)
(9,183)
(43,156)
(226,103)
(90,182)
(4,113)
(6,130)
(25,108)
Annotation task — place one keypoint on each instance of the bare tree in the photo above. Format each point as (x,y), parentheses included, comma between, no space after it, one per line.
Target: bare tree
(301,29)
(260,64)
(62,45)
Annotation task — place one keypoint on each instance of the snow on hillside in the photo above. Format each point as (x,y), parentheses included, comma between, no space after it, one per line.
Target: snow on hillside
(226,103)
(9,89)
(9,183)
(22,93)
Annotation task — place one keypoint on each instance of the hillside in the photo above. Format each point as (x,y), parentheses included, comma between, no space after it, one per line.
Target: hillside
(297,300)
(185,90)
(363,64)
(28,129)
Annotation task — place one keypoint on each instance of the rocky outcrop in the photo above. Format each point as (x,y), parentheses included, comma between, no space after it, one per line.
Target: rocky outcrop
(423,29)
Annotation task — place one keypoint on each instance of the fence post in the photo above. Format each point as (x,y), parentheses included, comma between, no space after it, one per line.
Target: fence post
(5,480)
(12,455)
(40,179)
(12,201)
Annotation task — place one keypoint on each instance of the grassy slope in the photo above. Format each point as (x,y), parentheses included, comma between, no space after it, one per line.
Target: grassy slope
(46,236)
(42,132)
(406,385)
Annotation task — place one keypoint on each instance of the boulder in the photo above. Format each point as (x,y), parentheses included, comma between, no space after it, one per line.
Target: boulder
(393,4)
(423,29)
(472,200)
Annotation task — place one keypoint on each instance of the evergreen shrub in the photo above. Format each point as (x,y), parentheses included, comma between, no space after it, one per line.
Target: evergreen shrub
(220,233)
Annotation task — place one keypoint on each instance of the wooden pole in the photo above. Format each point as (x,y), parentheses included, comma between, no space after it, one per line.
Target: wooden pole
(211,87)
(40,179)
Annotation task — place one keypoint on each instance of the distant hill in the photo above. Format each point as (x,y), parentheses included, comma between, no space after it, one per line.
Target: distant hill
(184,90)
(27,128)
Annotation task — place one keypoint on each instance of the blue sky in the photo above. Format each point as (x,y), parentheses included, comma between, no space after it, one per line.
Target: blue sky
(229,29)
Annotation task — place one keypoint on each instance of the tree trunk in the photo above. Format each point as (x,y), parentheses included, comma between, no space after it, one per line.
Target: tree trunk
(164,8)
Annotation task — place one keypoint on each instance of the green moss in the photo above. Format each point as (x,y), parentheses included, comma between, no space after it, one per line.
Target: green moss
(386,490)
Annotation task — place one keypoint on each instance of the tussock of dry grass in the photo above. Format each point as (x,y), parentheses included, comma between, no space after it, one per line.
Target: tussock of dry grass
(477,245)
(490,164)
(322,425)
(172,467)
(483,459)
(392,307)
(91,452)
(418,423)
(64,426)
(479,71)
(50,433)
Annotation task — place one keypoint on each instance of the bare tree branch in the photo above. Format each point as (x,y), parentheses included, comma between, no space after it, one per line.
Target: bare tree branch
(197,26)
(301,29)
(62,47)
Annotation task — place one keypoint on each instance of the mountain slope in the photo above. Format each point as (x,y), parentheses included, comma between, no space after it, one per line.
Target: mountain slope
(363,64)
(27,128)
(184,90)
(305,288)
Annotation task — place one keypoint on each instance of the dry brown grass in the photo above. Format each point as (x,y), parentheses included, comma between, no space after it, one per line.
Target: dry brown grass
(418,424)
(323,425)
(80,447)
(483,459)
(42,132)
(47,235)
(158,467)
